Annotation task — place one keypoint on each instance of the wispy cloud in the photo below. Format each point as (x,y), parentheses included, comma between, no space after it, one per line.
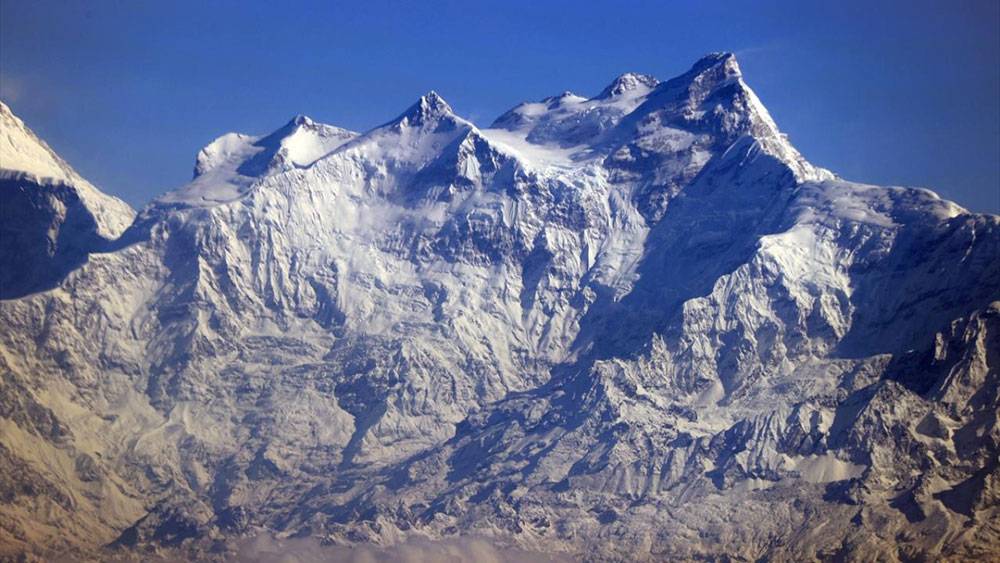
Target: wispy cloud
(758,50)
(267,549)
(11,88)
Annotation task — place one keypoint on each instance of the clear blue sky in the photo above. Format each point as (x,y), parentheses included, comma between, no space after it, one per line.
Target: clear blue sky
(890,92)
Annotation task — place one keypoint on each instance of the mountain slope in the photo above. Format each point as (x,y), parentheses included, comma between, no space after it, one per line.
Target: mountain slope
(620,327)
(51,218)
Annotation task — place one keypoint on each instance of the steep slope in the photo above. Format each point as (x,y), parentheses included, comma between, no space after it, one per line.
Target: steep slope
(622,327)
(51,218)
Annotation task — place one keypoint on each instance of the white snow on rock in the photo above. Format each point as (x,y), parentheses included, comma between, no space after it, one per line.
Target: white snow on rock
(230,165)
(24,156)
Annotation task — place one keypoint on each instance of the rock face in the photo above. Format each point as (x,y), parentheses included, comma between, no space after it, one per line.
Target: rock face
(635,326)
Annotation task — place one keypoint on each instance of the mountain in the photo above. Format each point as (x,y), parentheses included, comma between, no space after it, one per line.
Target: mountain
(614,328)
(52,219)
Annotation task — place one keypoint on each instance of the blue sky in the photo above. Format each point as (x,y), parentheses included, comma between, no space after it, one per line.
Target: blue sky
(887,92)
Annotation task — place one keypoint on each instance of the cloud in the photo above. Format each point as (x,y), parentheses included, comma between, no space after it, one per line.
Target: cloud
(11,88)
(756,50)
(267,549)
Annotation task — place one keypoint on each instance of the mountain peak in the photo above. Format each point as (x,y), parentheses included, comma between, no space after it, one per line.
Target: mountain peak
(562,99)
(289,128)
(561,96)
(301,120)
(628,82)
(722,61)
(51,218)
(712,74)
(24,152)
(708,73)
(429,107)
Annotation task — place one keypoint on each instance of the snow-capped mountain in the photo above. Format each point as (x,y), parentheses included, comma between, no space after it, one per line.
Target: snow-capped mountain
(619,327)
(51,218)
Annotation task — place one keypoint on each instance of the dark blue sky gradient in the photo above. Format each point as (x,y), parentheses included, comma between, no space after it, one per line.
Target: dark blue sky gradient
(887,92)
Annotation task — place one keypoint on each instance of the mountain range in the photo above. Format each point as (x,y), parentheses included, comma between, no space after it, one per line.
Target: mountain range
(634,326)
